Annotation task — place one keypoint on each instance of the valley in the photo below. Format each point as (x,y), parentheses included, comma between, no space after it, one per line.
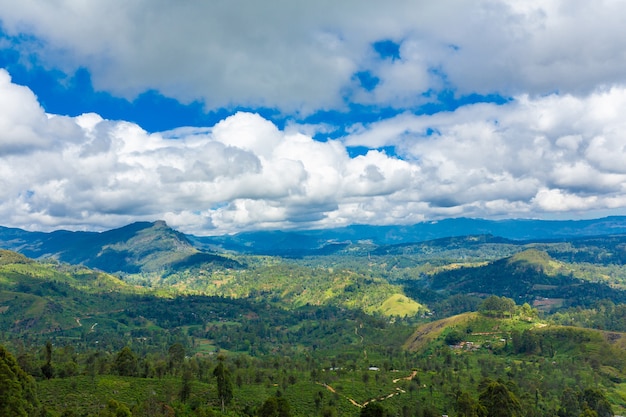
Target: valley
(146,321)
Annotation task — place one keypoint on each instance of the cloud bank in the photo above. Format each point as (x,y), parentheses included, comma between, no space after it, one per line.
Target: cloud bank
(302,57)
(531,157)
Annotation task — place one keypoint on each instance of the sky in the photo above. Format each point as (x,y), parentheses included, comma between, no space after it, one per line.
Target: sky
(228,116)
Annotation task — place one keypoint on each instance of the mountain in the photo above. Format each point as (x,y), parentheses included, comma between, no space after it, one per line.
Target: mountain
(317,242)
(137,247)
(143,246)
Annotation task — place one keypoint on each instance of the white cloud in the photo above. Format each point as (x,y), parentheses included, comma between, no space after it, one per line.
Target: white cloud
(298,56)
(241,173)
(532,157)
(526,157)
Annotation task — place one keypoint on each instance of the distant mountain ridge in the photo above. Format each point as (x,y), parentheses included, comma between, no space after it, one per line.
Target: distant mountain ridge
(315,242)
(154,246)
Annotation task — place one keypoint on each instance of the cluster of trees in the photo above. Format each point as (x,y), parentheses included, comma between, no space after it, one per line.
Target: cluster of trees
(17,389)
(446,382)
(497,306)
(496,398)
(603,314)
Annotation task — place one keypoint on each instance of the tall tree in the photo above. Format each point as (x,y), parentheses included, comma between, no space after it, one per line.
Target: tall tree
(176,357)
(185,389)
(125,362)
(47,370)
(468,407)
(570,406)
(224,385)
(499,401)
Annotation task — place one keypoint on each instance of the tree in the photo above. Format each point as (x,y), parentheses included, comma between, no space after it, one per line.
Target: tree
(570,407)
(47,370)
(498,401)
(454,337)
(595,400)
(17,388)
(527,342)
(497,306)
(269,408)
(468,406)
(274,407)
(224,385)
(185,389)
(284,409)
(125,362)
(373,410)
(318,398)
(527,312)
(176,354)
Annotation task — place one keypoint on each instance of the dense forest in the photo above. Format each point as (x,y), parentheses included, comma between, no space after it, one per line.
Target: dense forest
(464,326)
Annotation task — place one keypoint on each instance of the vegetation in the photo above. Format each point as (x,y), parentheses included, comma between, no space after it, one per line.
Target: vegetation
(466,326)
(17,389)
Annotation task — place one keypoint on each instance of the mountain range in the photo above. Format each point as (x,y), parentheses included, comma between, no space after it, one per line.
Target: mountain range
(315,242)
(154,246)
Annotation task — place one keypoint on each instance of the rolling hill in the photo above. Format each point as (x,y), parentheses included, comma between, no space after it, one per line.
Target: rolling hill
(327,325)
(529,276)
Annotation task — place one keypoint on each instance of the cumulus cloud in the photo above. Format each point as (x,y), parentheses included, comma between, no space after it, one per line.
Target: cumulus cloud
(558,153)
(84,172)
(303,57)
(532,157)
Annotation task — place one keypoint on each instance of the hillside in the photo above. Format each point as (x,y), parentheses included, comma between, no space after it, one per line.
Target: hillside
(43,298)
(324,333)
(530,276)
(138,247)
(549,274)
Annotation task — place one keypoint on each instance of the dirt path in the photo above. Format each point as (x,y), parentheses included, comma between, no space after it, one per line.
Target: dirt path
(356,332)
(406,378)
(398,391)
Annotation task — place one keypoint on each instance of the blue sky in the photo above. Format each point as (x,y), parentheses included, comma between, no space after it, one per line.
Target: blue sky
(220,118)
(73,94)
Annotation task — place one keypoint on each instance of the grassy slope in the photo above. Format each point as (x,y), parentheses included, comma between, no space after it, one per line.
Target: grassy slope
(584,356)
(427,333)
(530,276)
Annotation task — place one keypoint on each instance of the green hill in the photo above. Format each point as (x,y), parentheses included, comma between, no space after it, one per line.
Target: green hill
(530,276)
(315,336)
(39,298)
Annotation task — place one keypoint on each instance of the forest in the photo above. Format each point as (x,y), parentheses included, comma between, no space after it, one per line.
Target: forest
(464,326)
